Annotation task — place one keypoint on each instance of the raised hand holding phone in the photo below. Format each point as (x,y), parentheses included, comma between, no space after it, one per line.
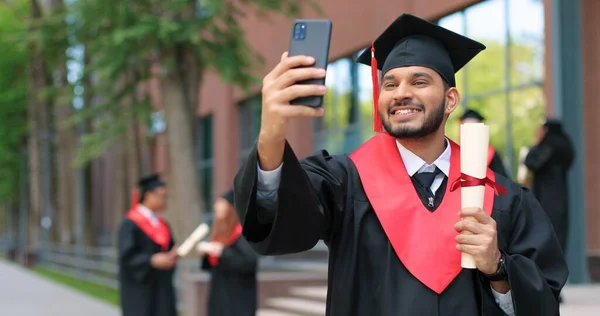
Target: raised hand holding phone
(295,78)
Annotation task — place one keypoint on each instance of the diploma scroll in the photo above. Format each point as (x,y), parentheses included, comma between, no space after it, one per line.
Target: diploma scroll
(199,233)
(474,143)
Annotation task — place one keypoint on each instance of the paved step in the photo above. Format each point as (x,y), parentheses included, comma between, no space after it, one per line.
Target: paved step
(296,265)
(298,305)
(314,292)
(274,312)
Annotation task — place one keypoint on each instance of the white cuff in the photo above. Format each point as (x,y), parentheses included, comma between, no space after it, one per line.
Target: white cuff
(505,302)
(268,181)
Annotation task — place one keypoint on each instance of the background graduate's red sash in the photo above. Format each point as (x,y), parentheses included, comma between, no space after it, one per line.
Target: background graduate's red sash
(424,241)
(159,234)
(237,232)
(491,153)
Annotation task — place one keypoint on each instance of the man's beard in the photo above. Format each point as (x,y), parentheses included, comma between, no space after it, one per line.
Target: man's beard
(433,121)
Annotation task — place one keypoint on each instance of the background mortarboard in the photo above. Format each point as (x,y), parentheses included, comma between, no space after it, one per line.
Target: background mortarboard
(145,184)
(150,182)
(553,125)
(472,114)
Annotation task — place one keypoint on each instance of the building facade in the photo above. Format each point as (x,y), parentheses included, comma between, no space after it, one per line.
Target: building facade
(540,60)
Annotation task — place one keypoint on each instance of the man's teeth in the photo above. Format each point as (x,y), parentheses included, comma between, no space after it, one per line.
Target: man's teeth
(405,111)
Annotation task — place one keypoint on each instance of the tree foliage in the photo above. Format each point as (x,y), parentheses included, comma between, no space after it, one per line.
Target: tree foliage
(123,40)
(13,95)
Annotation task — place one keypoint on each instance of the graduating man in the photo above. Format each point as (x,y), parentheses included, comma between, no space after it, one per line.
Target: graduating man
(390,212)
(147,255)
(494,160)
(232,263)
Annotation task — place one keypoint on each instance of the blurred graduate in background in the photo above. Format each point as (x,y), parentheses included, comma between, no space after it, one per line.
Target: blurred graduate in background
(232,263)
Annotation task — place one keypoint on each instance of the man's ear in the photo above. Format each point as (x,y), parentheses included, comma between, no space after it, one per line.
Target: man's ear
(452,100)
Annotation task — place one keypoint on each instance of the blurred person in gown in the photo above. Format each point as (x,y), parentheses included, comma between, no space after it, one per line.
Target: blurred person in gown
(549,160)
(232,263)
(494,160)
(147,256)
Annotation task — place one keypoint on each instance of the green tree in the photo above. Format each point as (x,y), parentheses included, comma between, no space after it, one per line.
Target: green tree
(127,43)
(13,96)
(13,109)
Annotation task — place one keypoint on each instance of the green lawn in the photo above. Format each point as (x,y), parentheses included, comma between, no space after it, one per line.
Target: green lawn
(98,291)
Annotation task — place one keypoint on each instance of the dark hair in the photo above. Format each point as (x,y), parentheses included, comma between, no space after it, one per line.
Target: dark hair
(446,85)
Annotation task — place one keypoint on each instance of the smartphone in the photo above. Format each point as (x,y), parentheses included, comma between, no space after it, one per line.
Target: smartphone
(311,38)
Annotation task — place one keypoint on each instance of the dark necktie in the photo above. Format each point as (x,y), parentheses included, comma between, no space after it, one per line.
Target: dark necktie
(425,179)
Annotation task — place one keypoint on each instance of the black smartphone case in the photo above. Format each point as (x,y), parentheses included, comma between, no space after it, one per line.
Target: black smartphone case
(316,44)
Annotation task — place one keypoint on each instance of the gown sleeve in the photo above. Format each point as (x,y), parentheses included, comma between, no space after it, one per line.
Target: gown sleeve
(535,263)
(135,261)
(537,157)
(237,258)
(310,195)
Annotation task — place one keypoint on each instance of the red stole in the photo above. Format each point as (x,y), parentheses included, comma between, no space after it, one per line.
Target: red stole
(424,241)
(159,234)
(237,231)
(491,153)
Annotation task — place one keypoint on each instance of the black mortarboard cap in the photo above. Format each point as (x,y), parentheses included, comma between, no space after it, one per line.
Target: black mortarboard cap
(553,124)
(228,196)
(469,113)
(412,41)
(150,182)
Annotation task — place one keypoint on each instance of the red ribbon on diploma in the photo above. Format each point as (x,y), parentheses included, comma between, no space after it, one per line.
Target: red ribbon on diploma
(466,180)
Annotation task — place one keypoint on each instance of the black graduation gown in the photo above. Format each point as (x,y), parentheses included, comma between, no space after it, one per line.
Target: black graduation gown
(233,284)
(549,165)
(322,198)
(497,166)
(144,290)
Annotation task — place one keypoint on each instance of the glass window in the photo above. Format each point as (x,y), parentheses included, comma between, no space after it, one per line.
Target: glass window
(249,122)
(341,110)
(526,26)
(205,159)
(528,112)
(485,22)
(505,81)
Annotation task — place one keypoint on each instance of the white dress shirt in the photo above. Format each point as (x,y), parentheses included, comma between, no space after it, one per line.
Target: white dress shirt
(149,214)
(268,183)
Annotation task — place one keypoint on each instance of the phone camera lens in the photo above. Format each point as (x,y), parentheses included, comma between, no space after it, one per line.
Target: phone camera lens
(299,31)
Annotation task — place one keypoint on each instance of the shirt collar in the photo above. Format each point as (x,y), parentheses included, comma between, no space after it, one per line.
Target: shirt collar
(414,163)
(146,211)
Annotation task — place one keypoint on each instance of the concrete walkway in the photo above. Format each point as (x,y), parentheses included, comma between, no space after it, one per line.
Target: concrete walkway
(581,301)
(23,293)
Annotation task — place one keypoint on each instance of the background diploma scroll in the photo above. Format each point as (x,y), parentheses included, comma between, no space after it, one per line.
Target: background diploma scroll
(199,233)
(474,143)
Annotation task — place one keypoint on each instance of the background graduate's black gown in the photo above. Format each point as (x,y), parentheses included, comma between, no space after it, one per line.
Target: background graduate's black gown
(144,290)
(322,198)
(550,161)
(233,285)
(497,166)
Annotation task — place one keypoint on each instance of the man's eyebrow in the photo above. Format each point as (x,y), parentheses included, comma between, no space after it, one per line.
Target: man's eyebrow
(389,77)
(413,75)
(421,74)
